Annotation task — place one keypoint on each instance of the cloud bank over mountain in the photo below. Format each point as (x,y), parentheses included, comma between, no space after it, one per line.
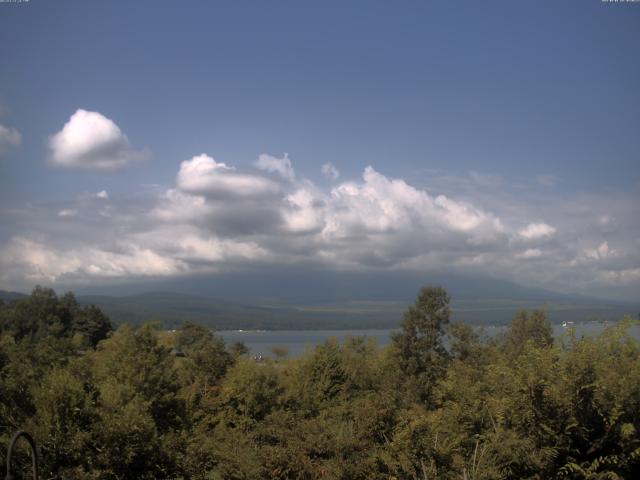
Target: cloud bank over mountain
(217,218)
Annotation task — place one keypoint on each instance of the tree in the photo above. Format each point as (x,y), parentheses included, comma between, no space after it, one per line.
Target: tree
(139,406)
(149,404)
(528,326)
(37,316)
(204,363)
(419,346)
(44,314)
(92,324)
(65,413)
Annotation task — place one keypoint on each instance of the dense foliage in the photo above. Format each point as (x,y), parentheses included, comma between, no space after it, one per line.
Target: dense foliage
(437,403)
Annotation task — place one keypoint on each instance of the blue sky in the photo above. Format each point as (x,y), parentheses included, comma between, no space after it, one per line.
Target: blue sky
(516,114)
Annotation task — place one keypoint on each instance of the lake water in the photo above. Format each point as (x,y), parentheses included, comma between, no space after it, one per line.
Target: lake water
(261,342)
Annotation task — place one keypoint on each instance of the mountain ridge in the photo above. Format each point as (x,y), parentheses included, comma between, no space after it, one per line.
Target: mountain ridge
(171,308)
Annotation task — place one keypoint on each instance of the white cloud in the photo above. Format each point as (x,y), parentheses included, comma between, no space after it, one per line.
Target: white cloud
(197,248)
(68,212)
(102,194)
(305,213)
(380,204)
(216,218)
(329,170)
(9,137)
(530,253)
(605,220)
(535,231)
(89,140)
(203,175)
(281,166)
(38,261)
(601,252)
(176,206)
(624,276)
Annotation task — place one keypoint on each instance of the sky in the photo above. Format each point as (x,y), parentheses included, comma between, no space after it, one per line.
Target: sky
(159,140)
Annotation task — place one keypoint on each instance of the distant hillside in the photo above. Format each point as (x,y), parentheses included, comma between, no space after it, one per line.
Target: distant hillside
(171,309)
(9,296)
(297,287)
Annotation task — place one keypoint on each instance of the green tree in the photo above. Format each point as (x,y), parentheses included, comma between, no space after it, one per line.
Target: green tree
(528,327)
(202,363)
(65,405)
(43,314)
(420,350)
(92,324)
(139,405)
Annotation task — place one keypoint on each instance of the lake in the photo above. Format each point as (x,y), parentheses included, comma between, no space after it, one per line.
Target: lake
(261,342)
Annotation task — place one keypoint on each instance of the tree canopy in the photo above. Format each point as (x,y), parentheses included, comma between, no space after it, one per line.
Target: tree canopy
(439,402)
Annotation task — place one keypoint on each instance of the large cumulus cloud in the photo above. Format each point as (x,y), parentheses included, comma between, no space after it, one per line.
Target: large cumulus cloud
(91,141)
(203,175)
(218,218)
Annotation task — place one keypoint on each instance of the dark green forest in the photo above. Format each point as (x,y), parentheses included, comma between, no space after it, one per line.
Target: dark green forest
(438,403)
